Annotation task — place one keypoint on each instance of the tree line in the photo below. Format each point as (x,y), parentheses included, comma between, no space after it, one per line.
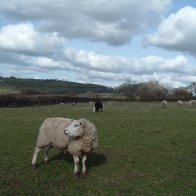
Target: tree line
(153,91)
(132,91)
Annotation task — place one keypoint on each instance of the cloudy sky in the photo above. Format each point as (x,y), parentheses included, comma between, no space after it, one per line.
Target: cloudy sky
(99,41)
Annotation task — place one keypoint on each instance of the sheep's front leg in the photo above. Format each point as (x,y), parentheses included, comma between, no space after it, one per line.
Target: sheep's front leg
(36,151)
(76,165)
(84,165)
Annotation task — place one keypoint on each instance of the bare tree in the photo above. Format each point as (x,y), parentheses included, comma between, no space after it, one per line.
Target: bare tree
(182,93)
(192,87)
(152,91)
(128,89)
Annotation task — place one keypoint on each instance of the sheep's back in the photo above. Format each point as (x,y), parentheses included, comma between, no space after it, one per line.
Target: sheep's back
(52,132)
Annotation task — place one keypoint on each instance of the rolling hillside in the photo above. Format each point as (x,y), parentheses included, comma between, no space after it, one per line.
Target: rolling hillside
(34,86)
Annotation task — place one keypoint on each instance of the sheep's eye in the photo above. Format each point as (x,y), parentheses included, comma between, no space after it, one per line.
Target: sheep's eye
(76,125)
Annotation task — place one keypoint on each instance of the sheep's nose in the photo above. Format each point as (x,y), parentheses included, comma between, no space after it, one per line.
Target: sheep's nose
(65,131)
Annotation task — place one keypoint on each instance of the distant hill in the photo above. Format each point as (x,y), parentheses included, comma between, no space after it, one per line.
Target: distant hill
(36,86)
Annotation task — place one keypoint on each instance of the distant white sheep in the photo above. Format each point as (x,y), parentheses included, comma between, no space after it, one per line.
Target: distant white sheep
(189,103)
(179,102)
(78,136)
(193,102)
(94,109)
(164,104)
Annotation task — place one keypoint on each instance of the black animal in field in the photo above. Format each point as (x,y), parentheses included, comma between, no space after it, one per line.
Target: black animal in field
(98,106)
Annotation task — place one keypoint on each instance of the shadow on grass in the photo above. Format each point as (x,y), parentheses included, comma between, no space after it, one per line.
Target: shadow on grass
(93,159)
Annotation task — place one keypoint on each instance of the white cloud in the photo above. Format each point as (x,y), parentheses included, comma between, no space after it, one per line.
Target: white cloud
(34,33)
(119,64)
(177,32)
(97,68)
(46,63)
(113,70)
(81,65)
(107,21)
(23,38)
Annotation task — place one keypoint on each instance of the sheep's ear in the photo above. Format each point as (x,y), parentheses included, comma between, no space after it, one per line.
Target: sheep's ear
(82,124)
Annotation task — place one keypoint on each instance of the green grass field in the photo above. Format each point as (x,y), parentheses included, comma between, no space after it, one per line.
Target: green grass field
(8,90)
(143,150)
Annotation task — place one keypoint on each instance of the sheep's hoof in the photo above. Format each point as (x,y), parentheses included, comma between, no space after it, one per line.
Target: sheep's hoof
(85,174)
(34,166)
(76,175)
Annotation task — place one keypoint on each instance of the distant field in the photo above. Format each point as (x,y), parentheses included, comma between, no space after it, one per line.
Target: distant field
(8,90)
(143,150)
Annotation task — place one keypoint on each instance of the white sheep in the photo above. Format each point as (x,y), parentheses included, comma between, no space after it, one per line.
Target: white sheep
(179,102)
(189,103)
(193,102)
(164,104)
(78,136)
(94,109)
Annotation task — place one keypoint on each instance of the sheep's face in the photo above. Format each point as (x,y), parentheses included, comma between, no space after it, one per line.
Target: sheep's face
(75,129)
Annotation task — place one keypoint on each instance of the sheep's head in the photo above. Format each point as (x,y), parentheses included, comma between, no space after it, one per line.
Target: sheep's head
(86,142)
(75,129)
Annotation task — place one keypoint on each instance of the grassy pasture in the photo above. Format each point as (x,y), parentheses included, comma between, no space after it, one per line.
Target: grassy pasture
(143,150)
(7,90)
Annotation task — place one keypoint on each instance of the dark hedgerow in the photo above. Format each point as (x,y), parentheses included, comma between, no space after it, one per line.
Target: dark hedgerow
(29,100)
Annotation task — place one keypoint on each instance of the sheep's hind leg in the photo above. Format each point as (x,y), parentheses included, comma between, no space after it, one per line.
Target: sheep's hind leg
(36,151)
(76,166)
(84,165)
(47,148)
